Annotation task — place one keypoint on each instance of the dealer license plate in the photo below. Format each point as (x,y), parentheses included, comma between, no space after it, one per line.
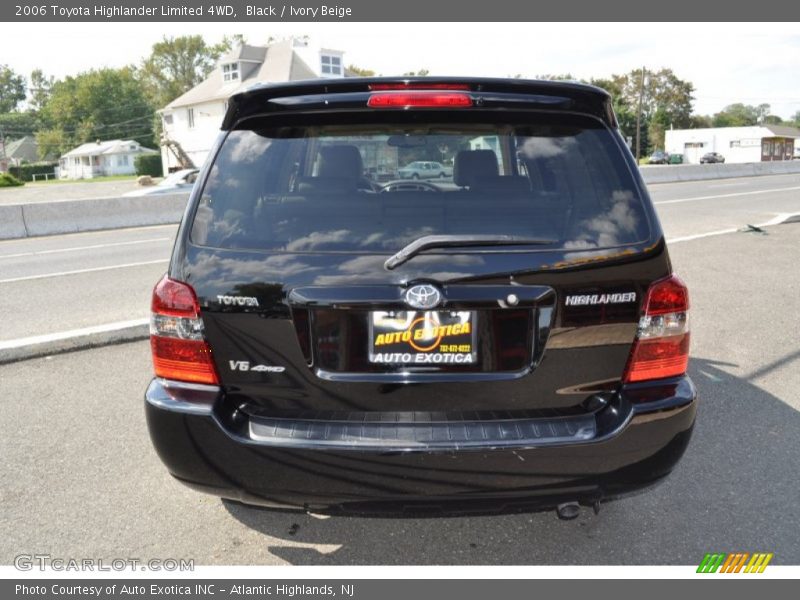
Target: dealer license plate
(432,338)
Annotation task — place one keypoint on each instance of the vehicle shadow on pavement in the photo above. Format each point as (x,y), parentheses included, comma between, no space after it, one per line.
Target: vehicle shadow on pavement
(735,490)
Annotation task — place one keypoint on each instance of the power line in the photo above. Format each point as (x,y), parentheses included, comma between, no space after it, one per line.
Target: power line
(100,126)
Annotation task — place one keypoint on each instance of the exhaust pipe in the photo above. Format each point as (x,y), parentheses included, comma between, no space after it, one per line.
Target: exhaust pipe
(568,511)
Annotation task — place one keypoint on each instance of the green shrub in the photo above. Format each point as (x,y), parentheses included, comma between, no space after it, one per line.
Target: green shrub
(27,171)
(148,164)
(8,180)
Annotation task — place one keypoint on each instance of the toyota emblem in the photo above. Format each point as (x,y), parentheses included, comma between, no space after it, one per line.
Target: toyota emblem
(423,296)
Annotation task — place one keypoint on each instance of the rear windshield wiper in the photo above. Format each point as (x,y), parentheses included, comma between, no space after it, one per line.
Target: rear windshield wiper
(447,241)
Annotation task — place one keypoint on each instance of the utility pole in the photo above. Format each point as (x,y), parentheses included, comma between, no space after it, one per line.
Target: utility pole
(2,151)
(639,117)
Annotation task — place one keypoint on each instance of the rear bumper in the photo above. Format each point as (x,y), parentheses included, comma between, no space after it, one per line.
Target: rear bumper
(634,444)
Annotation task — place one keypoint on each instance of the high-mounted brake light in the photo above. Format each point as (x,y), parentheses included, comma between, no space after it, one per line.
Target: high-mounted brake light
(421,99)
(180,352)
(417,85)
(661,348)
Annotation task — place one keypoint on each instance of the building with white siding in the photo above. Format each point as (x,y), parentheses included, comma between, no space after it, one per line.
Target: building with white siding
(191,122)
(758,143)
(98,159)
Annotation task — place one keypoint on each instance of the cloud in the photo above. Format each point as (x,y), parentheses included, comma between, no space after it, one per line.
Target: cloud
(615,226)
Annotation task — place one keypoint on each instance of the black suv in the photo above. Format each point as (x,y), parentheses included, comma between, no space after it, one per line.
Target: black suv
(513,339)
(712,157)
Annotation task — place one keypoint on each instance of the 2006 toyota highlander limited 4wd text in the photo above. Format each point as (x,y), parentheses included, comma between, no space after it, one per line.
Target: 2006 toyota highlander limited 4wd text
(510,337)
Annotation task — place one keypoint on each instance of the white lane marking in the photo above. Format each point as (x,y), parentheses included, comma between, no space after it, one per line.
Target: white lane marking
(751,178)
(687,238)
(92,247)
(725,185)
(72,333)
(678,200)
(78,271)
(776,220)
(118,231)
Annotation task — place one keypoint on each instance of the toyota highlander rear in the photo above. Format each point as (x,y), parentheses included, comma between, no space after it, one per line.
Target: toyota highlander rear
(333,336)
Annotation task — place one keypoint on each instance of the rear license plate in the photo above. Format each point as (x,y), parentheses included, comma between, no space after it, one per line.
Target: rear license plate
(410,337)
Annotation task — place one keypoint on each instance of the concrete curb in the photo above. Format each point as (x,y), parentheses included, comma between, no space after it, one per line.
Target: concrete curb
(679,173)
(12,223)
(80,339)
(93,214)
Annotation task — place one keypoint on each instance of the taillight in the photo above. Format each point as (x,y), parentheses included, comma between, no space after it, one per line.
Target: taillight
(661,348)
(420,99)
(179,349)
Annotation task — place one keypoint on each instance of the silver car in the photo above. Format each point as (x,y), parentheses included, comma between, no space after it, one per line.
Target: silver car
(425,169)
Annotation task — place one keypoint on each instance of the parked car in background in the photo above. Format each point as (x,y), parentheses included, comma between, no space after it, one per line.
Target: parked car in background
(425,169)
(174,183)
(711,157)
(659,157)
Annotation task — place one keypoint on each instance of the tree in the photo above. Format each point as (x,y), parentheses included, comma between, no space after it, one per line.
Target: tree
(663,91)
(18,124)
(772,120)
(97,104)
(700,122)
(666,102)
(626,113)
(229,42)
(656,128)
(51,143)
(12,89)
(176,65)
(738,115)
(360,72)
(558,77)
(795,120)
(420,73)
(762,110)
(39,89)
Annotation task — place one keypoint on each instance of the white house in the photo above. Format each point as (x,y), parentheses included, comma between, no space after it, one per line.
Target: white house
(737,144)
(191,122)
(96,159)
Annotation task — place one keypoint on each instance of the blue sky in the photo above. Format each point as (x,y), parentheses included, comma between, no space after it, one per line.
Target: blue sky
(749,62)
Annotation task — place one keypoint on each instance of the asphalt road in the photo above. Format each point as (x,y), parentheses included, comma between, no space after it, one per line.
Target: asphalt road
(67,282)
(79,477)
(700,207)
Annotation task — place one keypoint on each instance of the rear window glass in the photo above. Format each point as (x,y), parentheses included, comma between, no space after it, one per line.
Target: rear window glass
(378,187)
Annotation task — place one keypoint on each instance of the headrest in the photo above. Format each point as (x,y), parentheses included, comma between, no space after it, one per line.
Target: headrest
(341,160)
(470,165)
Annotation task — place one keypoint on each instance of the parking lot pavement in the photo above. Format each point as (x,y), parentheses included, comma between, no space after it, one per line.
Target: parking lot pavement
(80,479)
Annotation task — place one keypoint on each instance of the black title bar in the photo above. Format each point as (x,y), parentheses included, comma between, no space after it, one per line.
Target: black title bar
(408,10)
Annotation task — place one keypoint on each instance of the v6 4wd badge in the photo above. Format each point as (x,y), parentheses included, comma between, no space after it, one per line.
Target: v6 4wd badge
(244,365)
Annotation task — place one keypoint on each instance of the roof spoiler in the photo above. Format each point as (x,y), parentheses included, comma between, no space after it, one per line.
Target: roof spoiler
(353,93)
